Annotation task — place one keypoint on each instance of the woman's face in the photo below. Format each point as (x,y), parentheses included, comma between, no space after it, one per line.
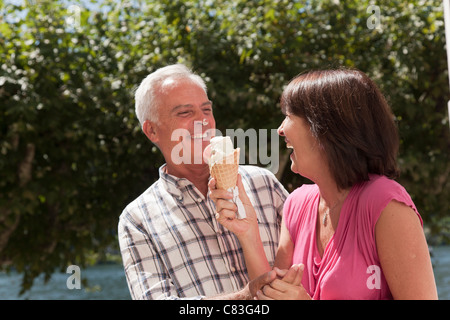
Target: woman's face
(307,156)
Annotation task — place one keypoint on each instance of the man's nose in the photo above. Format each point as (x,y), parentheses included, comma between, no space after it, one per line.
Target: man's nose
(201,122)
(199,116)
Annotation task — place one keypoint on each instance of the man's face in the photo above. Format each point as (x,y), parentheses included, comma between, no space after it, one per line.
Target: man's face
(186,122)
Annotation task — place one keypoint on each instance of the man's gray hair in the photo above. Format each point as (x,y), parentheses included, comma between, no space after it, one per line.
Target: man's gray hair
(146,95)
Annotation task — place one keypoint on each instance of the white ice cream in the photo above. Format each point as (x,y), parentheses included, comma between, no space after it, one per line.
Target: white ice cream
(221,147)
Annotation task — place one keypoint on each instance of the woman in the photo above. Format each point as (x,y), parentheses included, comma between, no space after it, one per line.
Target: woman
(355,233)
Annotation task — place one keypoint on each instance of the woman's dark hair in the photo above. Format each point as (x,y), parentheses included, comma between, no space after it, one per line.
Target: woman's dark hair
(350,118)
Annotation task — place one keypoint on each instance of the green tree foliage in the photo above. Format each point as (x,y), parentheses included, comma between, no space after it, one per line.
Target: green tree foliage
(72,154)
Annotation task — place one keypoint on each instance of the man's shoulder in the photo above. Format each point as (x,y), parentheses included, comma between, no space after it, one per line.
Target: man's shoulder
(255,172)
(259,177)
(143,202)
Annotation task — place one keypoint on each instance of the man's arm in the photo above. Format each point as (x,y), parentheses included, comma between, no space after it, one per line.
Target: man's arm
(146,274)
(249,292)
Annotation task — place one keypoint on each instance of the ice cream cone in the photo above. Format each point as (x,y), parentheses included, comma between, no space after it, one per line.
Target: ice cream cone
(225,172)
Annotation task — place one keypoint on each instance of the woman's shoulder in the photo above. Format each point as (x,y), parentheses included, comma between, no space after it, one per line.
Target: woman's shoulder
(304,192)
(299,207)
(301,199)
(382,188)
(379,191)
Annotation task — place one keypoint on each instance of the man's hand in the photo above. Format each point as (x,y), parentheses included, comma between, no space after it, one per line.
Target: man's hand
(261,281)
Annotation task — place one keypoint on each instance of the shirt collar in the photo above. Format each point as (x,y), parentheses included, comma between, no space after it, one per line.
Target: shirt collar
(171,183)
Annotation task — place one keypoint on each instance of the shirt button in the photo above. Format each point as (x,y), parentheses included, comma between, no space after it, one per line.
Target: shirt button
(233,269)
(199,199)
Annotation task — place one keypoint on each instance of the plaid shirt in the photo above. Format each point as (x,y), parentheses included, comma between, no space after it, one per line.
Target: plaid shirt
(172,246)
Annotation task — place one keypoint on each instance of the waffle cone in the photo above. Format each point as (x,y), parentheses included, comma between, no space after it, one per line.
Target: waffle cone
(225,172)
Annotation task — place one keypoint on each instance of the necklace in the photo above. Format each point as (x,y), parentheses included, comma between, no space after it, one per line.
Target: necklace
(325,216)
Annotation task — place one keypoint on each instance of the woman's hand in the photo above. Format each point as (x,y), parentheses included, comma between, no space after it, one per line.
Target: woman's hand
(226,210)
(287,286)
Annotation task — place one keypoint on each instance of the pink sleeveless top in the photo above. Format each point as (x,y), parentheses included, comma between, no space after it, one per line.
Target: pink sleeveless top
(350,267)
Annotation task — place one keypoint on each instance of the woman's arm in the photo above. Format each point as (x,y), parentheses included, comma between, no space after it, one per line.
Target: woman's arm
(283,259)
(246,230)
(404,254)
(288,285)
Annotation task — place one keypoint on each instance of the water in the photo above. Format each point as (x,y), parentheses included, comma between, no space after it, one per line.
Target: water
(441,268)
(107,282)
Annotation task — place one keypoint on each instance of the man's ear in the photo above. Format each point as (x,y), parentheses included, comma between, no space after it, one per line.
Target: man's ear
(150,131)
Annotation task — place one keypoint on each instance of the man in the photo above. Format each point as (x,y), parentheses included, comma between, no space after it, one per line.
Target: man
(172,246)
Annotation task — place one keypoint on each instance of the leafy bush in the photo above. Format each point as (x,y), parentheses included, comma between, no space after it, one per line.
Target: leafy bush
(72,154)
